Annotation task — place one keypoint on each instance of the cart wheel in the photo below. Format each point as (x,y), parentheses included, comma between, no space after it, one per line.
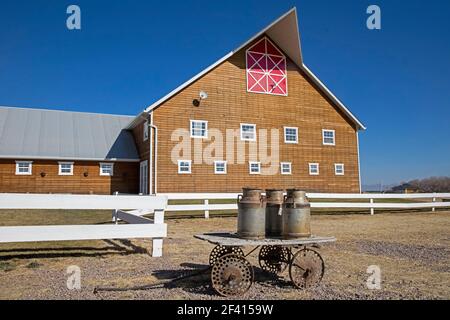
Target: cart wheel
(274,259)
(232,275)
(306,269)
(220,251)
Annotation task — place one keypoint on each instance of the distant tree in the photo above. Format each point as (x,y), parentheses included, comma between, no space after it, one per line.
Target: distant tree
(433,184)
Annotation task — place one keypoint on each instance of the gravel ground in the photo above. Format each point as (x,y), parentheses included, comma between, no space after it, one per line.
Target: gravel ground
(412,250)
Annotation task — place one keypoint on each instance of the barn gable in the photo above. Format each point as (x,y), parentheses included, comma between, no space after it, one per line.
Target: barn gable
(284,35)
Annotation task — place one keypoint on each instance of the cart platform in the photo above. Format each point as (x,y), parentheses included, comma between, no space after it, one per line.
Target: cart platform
(232,240)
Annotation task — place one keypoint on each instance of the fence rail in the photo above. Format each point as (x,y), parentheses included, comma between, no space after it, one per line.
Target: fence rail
(136,227)
(371,204)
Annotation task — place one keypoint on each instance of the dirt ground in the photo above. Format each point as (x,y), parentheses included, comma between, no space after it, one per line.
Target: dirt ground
(411,249)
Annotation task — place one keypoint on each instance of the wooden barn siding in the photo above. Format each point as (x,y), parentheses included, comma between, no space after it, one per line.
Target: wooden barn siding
(142,146)
(125,178)
(229,104)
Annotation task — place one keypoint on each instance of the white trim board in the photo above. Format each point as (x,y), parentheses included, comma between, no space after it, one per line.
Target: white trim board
(218,196)
(80,202)
(20,158)
(81,232)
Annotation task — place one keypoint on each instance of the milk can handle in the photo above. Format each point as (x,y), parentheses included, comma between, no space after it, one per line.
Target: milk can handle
(280,211)
(262,200)
(239,198)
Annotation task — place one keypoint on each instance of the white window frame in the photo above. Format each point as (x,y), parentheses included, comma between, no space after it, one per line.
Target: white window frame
(254,132)
(224,165)
(311,173)
(290,168)
(60,173)
(30,168)
(250,167)
(336,165)
(323,137)
(206,129)
(184,172)
(296,135)
(145,131)
(106,164)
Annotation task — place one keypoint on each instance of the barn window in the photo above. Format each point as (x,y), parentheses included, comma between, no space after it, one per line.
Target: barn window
(328,137)
(220,167)
(106,169)
(145,130)
(184,166)
(24,167)
(266,69)
(286,168)
(314,169)
(339,169)
(290,135)
(248,132)
(65,168)
(255,167)
(199,129)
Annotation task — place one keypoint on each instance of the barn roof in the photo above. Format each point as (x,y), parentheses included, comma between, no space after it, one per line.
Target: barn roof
(285,33)
(50,134)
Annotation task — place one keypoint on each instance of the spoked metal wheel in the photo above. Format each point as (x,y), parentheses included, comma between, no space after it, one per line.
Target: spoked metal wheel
(220,251)
(232,275)
(306,269)
(274,259)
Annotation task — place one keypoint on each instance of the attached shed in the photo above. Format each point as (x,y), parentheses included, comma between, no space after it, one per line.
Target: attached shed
(66,152)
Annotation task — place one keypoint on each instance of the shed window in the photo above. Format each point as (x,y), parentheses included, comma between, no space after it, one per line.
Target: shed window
(107,169)
(23,167)
(255,167)
(328,137)
(184,166)
(199,129)
(65,168)
(290,135)
(220,167)
(339,169)
(286,168)
(248,132)
(314,169)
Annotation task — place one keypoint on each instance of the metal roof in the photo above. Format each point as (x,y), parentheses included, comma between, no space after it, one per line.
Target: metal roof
(284,31)
(50,134)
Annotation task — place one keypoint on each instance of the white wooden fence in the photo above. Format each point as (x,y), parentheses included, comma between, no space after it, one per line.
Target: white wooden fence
(137,227)
(370,203)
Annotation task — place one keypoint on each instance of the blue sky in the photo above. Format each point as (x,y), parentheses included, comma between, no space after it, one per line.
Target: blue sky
(130,53)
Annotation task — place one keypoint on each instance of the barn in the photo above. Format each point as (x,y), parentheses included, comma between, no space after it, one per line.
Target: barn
(256,117)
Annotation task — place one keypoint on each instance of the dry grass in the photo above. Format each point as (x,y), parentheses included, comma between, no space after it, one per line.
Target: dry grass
(412,250)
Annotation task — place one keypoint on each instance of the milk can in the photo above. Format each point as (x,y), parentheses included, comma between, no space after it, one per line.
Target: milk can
(274,221)
(296,215)
(251,214)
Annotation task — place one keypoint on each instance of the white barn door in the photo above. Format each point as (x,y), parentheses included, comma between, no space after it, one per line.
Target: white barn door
(143,177)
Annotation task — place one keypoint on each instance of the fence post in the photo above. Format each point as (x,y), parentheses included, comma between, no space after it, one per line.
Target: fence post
(158,218)
(434,200)
(114,212)
(206,211)
(372,209)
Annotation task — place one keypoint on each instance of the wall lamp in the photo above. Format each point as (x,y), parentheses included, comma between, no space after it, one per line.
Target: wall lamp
(203,96)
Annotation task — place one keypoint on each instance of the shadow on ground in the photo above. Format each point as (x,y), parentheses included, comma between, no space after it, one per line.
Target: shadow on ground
(197,279)
(116,247)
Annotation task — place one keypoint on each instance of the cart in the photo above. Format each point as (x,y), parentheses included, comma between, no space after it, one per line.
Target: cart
(232,274)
